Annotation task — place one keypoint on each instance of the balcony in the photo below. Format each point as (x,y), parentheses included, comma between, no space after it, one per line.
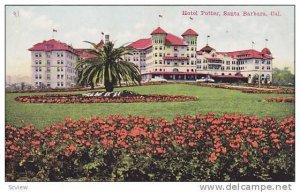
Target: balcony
(175,58)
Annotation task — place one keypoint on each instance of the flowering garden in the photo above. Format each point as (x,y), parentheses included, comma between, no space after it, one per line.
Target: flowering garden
(103,97)
(203,147)
(160,141)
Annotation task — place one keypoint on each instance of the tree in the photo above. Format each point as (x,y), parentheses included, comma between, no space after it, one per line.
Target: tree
(108,67)
(283,76)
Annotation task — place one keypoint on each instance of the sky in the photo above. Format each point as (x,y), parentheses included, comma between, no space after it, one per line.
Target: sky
(28,25)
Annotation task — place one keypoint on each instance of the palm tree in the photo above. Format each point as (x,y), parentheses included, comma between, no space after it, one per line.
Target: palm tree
(108,67)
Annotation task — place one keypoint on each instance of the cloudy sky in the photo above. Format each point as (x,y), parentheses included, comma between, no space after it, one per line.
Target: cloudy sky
(28,25)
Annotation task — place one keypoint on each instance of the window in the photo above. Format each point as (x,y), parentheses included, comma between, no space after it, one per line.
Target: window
(58,76)
(160,48)
(40,69)
(40,76)
(48,84)
(187,70)
(58,84)
(187,55)
(160,61)
(192,49)
(256,67)
(160,54)
(168,62)
(36,76)
(182,62)
(36,62)
(58,69)
(40,62)
(192,55)
(58,62)
(62,84)
(36,69)
(48,77)
(192,62)
(192,70)
(61,62)
(155,61)
(155,55)
(61,54)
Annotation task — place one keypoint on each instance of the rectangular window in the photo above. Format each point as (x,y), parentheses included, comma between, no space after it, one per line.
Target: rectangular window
(58,76)
(40,76)
(40,69)
(58,84)
(48,76)
(58,69)
(40,62)
(58,62)
(62,84)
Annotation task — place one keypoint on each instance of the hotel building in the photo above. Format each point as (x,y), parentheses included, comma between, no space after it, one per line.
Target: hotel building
(162,55)
(178,58)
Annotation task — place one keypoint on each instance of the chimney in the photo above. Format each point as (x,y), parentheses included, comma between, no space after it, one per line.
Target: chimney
(106,38)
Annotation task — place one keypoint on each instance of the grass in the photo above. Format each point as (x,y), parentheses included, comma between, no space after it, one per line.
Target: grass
(215,100)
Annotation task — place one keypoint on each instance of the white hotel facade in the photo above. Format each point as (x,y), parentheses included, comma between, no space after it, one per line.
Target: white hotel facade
(163,54)
(178,58)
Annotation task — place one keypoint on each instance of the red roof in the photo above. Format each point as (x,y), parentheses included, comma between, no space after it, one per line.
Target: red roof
(84,54)
(190,32)
(158,30)
(175,58)
(141,43)
(100,44)
(199,52)
(52,45)
(266,51)
(174,40)
(207,49)
(247,54)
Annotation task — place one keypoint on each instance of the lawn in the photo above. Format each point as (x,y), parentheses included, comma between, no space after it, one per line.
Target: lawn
(215,100)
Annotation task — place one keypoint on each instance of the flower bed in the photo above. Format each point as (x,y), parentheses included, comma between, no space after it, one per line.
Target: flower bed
(135,148)
(103,97)
(275,91)
(250,90)
(281,99)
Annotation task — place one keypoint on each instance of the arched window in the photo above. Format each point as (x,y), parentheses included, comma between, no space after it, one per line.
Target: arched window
(175,70)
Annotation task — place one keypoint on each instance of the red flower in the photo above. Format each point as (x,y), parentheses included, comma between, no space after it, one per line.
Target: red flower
(79,132)
(35,142)
(254,144)
(72,148)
